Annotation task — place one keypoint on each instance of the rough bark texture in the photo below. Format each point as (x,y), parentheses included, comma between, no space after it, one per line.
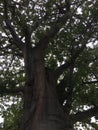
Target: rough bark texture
(42,110)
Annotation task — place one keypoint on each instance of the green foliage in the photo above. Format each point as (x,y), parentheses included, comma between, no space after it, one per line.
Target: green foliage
(12,117)
(11,112)
(80,30)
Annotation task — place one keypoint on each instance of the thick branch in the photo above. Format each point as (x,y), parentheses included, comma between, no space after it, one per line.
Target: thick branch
(38,23)
(68,104)
(84,41)
(66,88)
(16,38)
(63,67)
(81,116)
(54,29)
(48,14)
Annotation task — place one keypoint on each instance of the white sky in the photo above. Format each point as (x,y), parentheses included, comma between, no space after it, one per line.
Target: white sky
(1,119)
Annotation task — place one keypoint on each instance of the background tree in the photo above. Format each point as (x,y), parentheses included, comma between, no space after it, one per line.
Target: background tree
(48,64)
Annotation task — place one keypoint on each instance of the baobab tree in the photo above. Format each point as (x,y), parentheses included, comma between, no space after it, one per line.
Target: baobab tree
(52,38)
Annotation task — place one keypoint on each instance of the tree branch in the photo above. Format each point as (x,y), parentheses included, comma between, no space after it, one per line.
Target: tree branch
(54,29)
(76,54)
(81,116)
(67,84)
(63,67)
(69,99)
(38,23)
(47,14)
(16,38)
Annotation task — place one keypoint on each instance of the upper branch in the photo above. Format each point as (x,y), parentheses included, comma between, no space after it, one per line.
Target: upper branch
(54,29)
(63,67)
(16,38)
(9,26)
(38,23)
(81,116)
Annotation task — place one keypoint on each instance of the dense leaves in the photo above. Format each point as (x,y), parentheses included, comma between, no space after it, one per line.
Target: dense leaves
(76,43)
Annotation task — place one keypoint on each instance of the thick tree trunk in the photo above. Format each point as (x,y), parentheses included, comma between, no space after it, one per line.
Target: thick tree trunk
(42,110)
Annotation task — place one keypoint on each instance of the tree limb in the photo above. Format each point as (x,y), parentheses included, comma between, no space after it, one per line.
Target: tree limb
(81,116)
(69,99)
(38,23)
(63,67)
(16,38)
(47,14)
(76,54)
(54,29)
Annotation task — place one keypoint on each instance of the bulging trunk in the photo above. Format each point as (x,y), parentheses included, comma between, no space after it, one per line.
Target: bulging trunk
(41,110)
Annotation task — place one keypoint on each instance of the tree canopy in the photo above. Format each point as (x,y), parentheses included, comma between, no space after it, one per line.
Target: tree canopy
(70,29)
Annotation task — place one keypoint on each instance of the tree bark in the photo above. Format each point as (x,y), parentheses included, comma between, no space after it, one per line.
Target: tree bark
(41,109)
